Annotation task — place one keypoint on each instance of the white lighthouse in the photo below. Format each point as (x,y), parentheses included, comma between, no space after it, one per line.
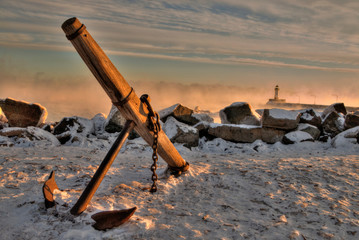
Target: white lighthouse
(276,99)
(276,93)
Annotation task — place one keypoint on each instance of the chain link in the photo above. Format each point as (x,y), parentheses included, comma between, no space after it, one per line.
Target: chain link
(154,158)
(155,126)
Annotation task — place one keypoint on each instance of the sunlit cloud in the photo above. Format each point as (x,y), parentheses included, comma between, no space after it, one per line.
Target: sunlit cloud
(304,30)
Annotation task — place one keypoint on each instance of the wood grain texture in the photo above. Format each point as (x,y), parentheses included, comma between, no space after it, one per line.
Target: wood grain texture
(117,88)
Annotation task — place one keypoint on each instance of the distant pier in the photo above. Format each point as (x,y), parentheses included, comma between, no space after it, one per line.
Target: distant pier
(276,102)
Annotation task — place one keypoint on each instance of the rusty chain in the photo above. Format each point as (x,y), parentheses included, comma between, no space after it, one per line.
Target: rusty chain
(155,127)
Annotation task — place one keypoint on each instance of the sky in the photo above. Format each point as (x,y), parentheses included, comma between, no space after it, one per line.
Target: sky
(199,53)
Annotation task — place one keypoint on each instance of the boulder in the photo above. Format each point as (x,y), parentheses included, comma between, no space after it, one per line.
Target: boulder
(23,114)
(235,133)
(346,138)
(239,113)
(202,128)
(336,107)
(115,121)
(312,130)
(296,136)
(271,135)
(260,112)
(3,118)
(333,123)
(181,133)
(31,134)
(99,121)
(74,130)
(180,113)
(311,117)
(203,117)
(351,120)
(280,119)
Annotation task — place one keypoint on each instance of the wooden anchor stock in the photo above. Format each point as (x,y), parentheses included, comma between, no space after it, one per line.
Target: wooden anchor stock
(122,96)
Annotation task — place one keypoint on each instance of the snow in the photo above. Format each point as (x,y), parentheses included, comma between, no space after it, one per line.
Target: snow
(167,111)
(172,126)
(347,138)
(308,190)
(299,136)
(215,125)
(283,114)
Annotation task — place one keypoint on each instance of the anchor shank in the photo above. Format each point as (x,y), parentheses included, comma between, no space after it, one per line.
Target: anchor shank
(96,180)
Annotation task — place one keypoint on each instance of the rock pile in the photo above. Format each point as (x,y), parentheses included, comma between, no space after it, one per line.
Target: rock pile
(22,123)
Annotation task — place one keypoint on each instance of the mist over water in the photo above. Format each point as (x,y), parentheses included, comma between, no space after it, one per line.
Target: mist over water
(87,98)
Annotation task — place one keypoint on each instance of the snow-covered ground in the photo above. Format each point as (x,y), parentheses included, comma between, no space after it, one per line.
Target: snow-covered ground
(232,191)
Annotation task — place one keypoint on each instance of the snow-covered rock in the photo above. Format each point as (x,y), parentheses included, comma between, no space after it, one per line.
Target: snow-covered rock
(311,117)
(74,130)
(203,117)
(202,128)
(30,136)
(335,107)
(271,135)
(115,121)
(179,112)
(296,137)
(3,118)
(235,133)
(351,120)
(5,142)
(280,119)
(308,128)
(181,133)
(346,138)
(23,114)
(239,113)
(333,123)
(99,121)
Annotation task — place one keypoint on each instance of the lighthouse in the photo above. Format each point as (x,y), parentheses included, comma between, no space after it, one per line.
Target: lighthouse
(276,92)
(276,99)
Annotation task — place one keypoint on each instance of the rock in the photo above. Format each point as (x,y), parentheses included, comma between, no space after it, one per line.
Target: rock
(202,117)
(260,112)
(5,142)
(3,118)
(271,135)
(99,121)
(181,133)
(235,133)
(31,134)
(336,107)
(280,119)
(23,114)
(180,113)
(311,117)
(324,138)
(49,127)
(351,120)
(74,130)
(333,123)
(239,113)
(115,121)
(202,128)
(297,136)
(346,138)
(312,130)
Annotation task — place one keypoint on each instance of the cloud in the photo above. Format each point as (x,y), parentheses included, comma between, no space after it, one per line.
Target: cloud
(315,32)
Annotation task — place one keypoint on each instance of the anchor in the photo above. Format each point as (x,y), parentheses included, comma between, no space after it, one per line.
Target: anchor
(139,117)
